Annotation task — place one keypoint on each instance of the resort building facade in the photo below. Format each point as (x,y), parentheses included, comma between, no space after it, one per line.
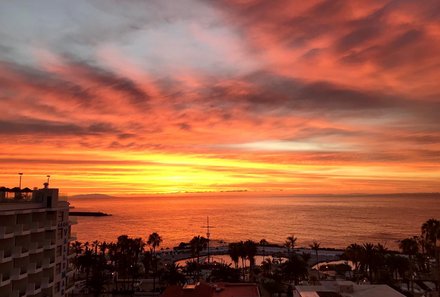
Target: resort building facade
(35,231)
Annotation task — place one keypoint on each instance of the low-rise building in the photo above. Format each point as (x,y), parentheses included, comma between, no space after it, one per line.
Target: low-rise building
(203,289)
(345,289)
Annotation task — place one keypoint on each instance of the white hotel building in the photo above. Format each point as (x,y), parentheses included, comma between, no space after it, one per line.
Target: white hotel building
(35,258)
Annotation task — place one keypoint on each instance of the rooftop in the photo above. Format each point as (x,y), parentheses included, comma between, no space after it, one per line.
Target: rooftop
(213,290)
(345,289)
(12,199)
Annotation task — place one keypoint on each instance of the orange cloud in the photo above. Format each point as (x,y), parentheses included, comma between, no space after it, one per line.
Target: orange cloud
(238,95)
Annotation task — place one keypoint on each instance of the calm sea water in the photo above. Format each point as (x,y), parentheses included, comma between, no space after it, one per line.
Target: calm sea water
(333,221)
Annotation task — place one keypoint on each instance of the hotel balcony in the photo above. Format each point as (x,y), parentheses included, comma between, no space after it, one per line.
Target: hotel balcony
(27,227)
(5,256)
(5,279)
(18,273)
(33,289)
(21,229)
(49,244)
(35,247)
(46,283)
(47,263)
(35,268)
(19,252)
(70,273)
(70,286)
(6,232)
(51,225)
(36,227)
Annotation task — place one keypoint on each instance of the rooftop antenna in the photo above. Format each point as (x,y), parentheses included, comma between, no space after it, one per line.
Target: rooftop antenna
(19,184)
(208,234)
(46,184)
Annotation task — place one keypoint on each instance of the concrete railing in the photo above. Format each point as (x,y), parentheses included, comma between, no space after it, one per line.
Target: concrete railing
(17,252)
(46,283)
(48,262)
(15,273)
(6,232)
(30,289)
(4,279)
(5,255)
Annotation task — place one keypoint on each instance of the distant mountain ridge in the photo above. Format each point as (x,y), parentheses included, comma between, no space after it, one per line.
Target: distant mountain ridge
(434,194)
(94,195)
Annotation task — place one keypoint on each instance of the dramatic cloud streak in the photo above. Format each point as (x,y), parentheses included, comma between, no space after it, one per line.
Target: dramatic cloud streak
(159,96)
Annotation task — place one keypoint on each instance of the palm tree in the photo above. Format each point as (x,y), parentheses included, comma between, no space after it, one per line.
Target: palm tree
(251,251)
(306,257)
(266,265)
(77,247)
(410,247)
(86,245)
(147,261)
(126,257)
(397,265)
(234,253)
(290,243)
(173,275)
(315,246)
(103,247)
(191,269)
(250,248)
(430,234)
(294,269)
(198,244)
(353,253)
(380,261)
(85,262)
(95,245)
(112,251)
(99,276)
(263,244)
(154,241)
(368,259)
(243,255)
(224,273)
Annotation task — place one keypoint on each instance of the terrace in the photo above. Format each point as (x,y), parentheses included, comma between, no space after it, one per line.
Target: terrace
(16,194)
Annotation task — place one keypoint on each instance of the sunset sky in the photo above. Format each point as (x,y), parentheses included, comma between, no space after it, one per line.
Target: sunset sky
(135,97)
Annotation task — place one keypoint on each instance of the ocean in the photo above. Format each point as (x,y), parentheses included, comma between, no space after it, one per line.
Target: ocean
(334,221)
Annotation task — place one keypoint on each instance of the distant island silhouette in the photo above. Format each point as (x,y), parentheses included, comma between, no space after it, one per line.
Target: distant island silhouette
(104,196)
(93,195)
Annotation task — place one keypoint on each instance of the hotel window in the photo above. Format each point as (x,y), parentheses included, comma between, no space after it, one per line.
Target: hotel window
(59,249)
(57,287)
(58,268)
(60,233)
(60,216)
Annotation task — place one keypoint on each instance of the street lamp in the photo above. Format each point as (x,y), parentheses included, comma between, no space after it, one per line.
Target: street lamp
(19,184)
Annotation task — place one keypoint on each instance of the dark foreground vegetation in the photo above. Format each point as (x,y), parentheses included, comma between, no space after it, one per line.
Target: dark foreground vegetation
(133,264)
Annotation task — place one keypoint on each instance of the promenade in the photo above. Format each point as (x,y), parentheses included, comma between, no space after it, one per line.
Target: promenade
(175,255)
